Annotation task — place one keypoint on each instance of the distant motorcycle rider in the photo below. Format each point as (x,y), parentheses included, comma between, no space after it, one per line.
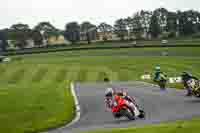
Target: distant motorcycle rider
(160,78)
(186,77)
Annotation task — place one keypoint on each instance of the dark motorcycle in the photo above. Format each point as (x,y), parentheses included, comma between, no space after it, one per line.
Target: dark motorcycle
(195,86)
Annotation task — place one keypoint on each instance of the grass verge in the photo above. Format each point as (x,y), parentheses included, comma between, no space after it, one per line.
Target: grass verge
(191,126)
(29,105)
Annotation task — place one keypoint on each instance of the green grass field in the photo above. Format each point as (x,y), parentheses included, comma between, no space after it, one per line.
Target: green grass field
(34,89)
(33,97)
(191,126)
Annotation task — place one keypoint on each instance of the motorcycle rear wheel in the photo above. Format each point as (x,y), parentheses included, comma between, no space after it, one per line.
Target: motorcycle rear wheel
(142,114)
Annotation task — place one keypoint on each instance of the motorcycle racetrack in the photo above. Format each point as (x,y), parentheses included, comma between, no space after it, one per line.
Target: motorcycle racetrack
(160,106)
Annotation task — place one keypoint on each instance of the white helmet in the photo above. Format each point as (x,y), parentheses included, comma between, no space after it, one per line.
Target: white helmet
(109,91)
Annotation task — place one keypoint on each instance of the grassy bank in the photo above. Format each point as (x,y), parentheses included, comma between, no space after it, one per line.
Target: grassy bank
(87,66)
(33,88)
(184,51)
(33,97)
(191,126)
(106,45)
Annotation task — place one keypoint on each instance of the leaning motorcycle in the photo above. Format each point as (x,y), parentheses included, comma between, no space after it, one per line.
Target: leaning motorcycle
(195,86)
(124,111)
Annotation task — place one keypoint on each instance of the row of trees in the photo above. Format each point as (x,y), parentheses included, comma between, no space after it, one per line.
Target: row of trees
(20,33)
(73,31)
(142,24)
(160,22)
(150,24)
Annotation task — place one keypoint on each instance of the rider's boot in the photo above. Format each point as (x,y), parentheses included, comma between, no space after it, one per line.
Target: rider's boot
(163,86)
(162,89)
(189,92)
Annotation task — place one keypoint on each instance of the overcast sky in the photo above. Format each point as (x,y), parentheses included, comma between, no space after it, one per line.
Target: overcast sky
(59,12)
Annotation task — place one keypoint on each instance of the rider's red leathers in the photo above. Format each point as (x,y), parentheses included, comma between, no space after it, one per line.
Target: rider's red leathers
(120,102)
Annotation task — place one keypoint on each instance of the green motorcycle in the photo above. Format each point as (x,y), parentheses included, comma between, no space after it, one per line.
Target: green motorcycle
(161,80)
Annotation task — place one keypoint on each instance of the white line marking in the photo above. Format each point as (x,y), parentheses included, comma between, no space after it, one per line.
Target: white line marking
(77,106)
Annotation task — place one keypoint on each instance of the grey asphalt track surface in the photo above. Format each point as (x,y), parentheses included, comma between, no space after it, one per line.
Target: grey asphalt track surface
(160,106)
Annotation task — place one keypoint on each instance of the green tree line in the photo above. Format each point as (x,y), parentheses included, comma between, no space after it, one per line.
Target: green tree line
(143,24)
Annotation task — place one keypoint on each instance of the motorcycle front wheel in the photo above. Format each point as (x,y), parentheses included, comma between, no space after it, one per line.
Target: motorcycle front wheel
(130,115)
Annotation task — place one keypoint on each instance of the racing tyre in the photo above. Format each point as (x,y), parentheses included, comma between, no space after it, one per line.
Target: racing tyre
(117,115)
(129,115)
(142,114)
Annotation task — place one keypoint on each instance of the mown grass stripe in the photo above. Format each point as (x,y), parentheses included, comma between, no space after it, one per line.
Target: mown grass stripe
(40,74)
(29,74)
(61,75)
(92,76)
(9,70)
(50,75)
(123,75)
(16,76)
(2,70)
(73,74)
(82,75)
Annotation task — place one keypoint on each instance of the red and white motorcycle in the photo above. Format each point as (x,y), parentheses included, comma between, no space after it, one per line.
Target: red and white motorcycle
(120,109)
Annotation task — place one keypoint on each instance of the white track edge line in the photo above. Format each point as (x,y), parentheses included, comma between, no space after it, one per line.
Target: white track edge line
(77,106)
